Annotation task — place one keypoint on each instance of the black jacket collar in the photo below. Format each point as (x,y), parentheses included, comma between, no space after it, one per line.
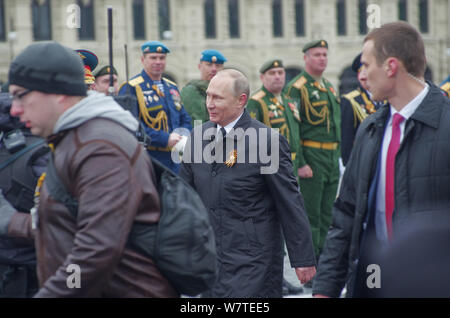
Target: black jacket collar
(428,112)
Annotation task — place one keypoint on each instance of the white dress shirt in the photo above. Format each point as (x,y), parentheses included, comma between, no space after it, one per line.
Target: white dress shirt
(230,125)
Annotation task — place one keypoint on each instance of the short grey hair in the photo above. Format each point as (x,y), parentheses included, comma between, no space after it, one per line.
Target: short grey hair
(240,85)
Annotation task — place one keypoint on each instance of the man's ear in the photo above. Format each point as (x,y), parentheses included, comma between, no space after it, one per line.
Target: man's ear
(391,66)
(243,100)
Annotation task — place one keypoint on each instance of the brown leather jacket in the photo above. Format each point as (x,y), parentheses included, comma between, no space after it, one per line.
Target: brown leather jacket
(105,168)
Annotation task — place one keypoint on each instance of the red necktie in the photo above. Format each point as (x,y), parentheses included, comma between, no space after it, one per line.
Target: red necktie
(390,170)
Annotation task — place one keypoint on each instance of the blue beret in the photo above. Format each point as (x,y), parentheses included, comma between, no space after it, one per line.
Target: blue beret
(213,56)
(154,47)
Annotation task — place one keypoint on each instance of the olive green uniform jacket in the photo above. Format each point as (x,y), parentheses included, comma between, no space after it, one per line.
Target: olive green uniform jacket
(193,96)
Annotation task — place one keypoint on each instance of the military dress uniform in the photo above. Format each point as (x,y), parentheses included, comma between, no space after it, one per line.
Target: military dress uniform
(282,114)
(355,107)
(320,136)
(193,94)
(160,111)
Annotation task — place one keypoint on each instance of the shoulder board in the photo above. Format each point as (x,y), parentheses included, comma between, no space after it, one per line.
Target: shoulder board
(446,87)
(136,81)
(258,95)
(352,94)
(169,81)
(122,85)
(300,82)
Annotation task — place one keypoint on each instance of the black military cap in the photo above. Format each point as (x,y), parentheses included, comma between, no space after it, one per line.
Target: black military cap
(269,65)
(315,43)
(356,65)
(105,70)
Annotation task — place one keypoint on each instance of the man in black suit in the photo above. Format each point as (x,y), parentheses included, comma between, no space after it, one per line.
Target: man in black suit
(243,172)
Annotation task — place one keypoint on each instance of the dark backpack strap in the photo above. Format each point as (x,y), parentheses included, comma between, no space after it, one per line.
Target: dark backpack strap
(57,190)
(16,155)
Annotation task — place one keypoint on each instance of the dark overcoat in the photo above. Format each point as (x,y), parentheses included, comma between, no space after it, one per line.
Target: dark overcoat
(422,190)
(250,207)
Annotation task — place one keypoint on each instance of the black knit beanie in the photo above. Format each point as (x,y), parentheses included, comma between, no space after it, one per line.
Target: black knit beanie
(49,67)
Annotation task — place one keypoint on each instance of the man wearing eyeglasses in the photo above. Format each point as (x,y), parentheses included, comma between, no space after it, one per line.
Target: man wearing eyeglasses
(96,156)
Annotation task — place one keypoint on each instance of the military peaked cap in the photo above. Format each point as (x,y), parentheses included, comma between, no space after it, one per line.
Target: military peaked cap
(356,64)
(90,61)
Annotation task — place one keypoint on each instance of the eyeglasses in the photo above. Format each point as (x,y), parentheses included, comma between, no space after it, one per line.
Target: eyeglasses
(19,96)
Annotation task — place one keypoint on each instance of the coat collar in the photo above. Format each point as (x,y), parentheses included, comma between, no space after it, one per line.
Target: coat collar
(244,122)
(428,112)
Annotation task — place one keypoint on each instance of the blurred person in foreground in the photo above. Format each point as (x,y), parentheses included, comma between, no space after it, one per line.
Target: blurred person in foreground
(99,161)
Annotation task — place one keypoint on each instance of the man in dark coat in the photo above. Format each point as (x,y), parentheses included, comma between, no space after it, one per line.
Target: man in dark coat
(251,198)
(383,187)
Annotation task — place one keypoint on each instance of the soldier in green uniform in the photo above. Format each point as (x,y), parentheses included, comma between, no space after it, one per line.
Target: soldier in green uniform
(355,107)
(193,94)
(320,134)
(102,78)
(273,108)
